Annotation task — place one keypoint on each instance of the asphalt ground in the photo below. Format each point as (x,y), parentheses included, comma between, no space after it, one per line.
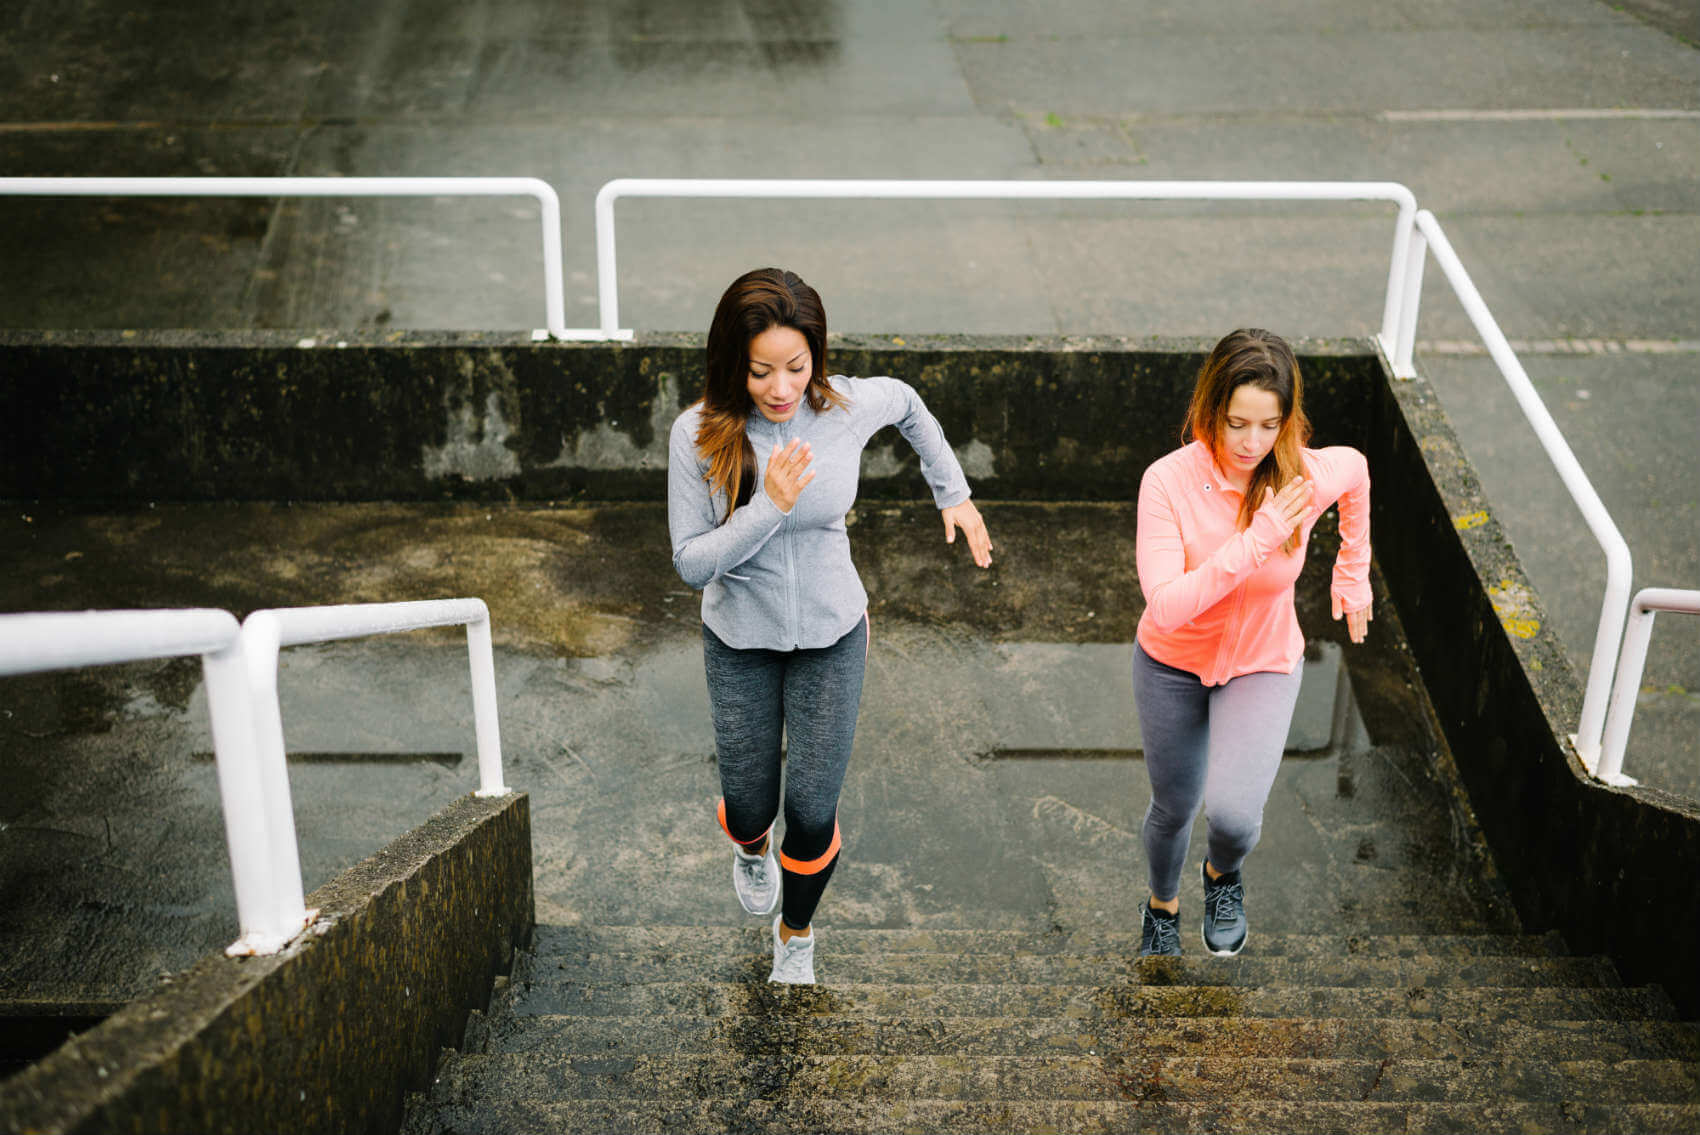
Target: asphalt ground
(1557,141)
(997,779)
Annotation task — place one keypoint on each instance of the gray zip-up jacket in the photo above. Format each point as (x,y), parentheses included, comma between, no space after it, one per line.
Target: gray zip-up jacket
(778,580)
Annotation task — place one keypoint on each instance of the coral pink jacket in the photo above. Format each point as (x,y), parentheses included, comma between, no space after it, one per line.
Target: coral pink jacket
(1219,601)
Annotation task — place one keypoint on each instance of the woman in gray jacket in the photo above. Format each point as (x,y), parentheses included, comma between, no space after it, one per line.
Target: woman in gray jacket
(761,472)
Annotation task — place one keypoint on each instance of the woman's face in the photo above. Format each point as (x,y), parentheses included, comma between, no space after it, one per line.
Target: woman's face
(780,368)
(1249,430)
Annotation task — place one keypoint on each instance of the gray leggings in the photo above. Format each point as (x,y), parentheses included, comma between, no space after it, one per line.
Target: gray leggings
(810,698)
(1215,745)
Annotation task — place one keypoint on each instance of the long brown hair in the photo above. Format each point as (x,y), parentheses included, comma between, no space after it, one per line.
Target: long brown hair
(1263,360)
(755,302)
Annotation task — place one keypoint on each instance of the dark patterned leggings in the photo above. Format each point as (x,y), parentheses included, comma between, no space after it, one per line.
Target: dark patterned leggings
(808,698)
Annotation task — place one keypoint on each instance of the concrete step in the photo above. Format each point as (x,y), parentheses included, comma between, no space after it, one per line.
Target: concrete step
(753,937)
(1123,999)
(644,1114)
(1179,1079)
(806,1026)
(1251,968)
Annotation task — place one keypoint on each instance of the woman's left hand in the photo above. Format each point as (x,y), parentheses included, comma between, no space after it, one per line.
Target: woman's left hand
(1357,622)
(966,517)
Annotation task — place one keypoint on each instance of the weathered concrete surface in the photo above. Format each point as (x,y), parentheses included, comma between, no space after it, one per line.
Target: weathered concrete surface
(1583,233)
(1607,866)
(644,1027)
(328,1035)
(245,416)
(604,722)
(1192,1078)
(1681,18)
(585,600)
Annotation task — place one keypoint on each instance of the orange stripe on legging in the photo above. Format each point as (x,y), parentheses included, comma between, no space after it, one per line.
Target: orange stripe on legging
(721,811)
(812,866)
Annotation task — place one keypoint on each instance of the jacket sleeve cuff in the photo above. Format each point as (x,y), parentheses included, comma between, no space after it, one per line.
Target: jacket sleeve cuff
(1352,594)
(763,505)
(1266,532)
(952,497)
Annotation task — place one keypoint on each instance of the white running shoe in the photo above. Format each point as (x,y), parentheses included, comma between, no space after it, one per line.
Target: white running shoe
(793,961)
(756,879)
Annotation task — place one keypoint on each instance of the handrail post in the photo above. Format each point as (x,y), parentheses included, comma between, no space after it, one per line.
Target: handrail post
(241,795)
(554,287)
(1392,312)
(1608,635)
(481,659)
(1405,339)
(1614,605)
(1632,660)
(607,268)
(260,641)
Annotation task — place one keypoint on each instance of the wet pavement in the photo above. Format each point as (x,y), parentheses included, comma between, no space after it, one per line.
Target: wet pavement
(996,782)
(1558,142)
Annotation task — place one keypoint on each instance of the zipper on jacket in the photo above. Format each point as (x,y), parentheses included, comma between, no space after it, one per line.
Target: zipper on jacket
(787,534)
(1232,632)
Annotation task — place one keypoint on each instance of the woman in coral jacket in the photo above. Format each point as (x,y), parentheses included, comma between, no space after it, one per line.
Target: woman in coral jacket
(761,472)
(1223,526)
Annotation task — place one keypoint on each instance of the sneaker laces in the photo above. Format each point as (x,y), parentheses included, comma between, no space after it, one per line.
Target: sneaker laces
(1225,899)
(755,870)
(794,956)
(1165,934)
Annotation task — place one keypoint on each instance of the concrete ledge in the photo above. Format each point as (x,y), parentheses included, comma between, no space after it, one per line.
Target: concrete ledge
(257,416)
(1613,869)
(417,416)
(328,1036)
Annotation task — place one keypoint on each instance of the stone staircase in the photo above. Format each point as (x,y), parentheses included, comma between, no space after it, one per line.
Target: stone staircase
(978,946)
(627,1028)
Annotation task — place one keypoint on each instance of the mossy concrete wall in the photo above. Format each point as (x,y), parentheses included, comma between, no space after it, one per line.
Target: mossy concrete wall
(328,1036)
(109,418)
(414,416)
(1617,870)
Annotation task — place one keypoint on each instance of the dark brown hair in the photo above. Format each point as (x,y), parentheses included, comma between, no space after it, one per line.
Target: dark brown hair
(756,301)
(1262,359)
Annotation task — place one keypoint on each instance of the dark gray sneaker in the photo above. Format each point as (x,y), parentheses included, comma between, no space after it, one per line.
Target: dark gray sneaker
(1224,913)
(1159,934)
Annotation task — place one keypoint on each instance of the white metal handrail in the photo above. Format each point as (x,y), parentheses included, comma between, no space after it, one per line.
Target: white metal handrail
(263,634)
(58,641)
(1647,602)
(64,640)
(240,664)
(607,272)
(1429,237)
(549,204)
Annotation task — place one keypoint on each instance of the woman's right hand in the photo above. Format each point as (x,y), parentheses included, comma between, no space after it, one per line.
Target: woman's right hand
(788,471)
(1291,503)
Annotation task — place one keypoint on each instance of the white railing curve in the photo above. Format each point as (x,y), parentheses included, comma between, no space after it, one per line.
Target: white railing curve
(59,641)
(607,270)
(549,204)
(264,633)
(1647,602)
(1428,237)
(1416,233)
(240,663)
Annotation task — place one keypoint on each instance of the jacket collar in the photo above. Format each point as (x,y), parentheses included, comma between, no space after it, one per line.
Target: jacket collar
(1210,476)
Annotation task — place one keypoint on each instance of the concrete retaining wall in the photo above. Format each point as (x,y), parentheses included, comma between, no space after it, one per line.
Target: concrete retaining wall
(105,418)
(1613,869)
(328,1036)
(109,418)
